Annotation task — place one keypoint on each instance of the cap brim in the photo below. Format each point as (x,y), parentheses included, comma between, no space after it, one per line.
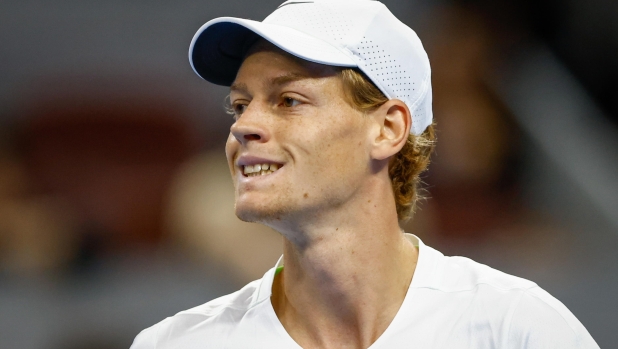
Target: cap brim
(219,46)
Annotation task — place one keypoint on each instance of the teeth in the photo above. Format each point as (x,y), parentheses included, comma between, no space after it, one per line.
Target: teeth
(261,173)
(259,169)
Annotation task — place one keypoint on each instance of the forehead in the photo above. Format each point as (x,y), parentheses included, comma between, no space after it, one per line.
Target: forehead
(266,61)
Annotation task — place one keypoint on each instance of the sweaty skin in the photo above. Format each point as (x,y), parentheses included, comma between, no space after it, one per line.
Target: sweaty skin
(347,263)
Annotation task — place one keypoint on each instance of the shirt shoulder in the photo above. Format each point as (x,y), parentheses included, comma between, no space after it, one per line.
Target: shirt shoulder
(516,312)
(542,321)
(214,320)
(459,274)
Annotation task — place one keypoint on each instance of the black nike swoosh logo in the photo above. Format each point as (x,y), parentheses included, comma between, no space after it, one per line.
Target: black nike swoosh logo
(300,2)
(294,3)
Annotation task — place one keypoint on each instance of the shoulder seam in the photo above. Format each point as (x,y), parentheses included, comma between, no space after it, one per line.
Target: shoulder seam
(220,310)
(512,313)
(476,285)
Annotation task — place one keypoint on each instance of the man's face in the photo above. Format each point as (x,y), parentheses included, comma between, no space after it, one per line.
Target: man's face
(292,115)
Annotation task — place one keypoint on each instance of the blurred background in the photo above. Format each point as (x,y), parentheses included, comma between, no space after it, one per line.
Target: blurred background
(116,203)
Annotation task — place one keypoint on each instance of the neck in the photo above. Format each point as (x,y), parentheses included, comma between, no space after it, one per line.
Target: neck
(344,284)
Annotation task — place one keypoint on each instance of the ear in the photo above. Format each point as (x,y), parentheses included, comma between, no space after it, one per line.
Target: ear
(393,122)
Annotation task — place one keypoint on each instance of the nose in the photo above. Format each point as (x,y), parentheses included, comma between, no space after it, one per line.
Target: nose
(251,126)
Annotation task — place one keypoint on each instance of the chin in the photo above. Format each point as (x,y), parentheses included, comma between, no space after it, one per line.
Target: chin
(259,213)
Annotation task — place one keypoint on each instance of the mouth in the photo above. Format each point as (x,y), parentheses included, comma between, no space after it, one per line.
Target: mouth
(259,169)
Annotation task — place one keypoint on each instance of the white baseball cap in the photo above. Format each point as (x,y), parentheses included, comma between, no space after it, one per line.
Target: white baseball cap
(344,33)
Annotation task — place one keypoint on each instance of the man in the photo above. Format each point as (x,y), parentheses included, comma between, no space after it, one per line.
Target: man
(332,127)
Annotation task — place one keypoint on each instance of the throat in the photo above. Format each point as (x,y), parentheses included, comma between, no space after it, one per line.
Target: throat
(334,305)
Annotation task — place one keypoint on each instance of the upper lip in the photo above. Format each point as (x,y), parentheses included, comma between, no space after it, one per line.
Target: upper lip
(246,160)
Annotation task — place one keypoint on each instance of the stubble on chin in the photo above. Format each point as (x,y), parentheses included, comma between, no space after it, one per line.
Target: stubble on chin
(262,213)
(265,209)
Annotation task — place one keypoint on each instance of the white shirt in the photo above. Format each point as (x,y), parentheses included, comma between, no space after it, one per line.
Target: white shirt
(452,303)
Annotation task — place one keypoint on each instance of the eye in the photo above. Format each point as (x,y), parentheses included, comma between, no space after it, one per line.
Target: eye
(290,102)
(238,109)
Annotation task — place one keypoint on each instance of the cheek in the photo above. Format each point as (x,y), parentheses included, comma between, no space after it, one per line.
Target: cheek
(339,147)
(231,149)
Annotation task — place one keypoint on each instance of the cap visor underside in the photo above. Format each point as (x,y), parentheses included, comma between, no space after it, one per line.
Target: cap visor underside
(219,46)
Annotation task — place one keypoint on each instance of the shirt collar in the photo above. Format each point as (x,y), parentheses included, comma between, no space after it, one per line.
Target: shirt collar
(422,273)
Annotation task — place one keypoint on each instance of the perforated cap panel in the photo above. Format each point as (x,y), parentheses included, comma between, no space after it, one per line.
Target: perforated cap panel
(361,33)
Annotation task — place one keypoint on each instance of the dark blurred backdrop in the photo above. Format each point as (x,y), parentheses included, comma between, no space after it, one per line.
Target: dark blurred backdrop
(116,204)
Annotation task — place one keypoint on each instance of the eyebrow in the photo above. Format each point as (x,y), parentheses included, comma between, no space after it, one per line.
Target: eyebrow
(238,86)
(277,80)
(286,78)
